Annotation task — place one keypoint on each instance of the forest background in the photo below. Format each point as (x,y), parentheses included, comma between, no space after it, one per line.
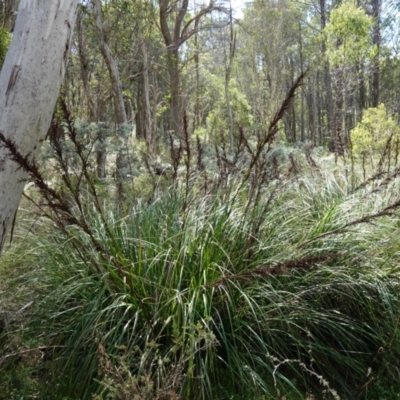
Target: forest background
(214,214)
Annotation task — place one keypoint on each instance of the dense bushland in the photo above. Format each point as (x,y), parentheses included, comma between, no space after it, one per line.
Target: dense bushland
(268,272)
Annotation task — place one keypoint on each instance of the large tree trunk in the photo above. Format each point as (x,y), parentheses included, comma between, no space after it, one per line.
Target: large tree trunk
(30,81)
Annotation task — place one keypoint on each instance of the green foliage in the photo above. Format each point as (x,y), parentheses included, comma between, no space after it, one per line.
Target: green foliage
(348,36)
(217,119)
(202,297)
(5,39)
(374,132)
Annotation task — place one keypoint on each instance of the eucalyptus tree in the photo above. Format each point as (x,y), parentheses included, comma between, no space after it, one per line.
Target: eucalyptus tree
(116,86)
(177,27)
(349,43)
(118,68)
(268,50)
(30,81)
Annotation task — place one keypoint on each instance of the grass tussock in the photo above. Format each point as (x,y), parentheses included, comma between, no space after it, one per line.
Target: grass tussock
(171,302)
(255,274)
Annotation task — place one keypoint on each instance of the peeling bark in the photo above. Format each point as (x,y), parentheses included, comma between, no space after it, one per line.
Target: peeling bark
(30,82)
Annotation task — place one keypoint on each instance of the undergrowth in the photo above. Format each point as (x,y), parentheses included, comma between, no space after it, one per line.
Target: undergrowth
(256,274)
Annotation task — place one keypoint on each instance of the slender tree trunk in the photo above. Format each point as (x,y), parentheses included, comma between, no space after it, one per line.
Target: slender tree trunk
(84,66)
(8,8)
(139,113)
(175,32)
(292,107)
(30,82)
(228,72)
(338,112)
(311,115)
(327,77)
(119,106)
(120,114)
(197,116)
(101,151)
(319,110)
(175,94)
(376,39)
(349,117)
(302,132)
(146,95)
(154,105)
(361,89)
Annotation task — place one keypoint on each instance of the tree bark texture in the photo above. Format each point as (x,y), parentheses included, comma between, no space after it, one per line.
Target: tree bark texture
(30,82)
(120,113)
(176,113)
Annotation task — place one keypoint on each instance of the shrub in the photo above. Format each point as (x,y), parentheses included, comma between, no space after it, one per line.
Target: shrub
(373,132)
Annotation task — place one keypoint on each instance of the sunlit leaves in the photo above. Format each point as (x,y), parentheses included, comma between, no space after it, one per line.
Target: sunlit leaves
(348,38)
(372,134)
(5,39)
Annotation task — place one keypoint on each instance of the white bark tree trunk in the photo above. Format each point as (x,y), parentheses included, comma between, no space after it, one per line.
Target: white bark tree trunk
(30,81)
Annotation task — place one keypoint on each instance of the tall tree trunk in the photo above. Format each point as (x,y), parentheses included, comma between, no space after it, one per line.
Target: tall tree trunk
(338,113)
(172,43)
(139,112)
(176,114)
(376,39)
(8,8)
(146,95)
(175,32)
(154,106)
(197,116)
(317,105)
(120,114)
(228,72)
(327,77)
(101,151)
(84,67)
(302,132)
(30,82)
(119,107)
(311,114)
(362,102)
